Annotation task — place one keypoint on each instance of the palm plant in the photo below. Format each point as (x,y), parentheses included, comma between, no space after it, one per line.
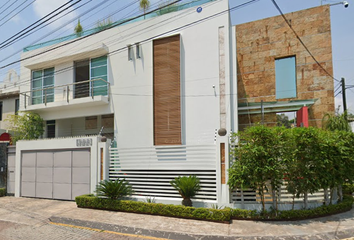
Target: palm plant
(187,187)
(144,4)
(336,122)
(114,189)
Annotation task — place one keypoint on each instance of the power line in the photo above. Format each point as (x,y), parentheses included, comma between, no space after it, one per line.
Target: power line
(143,41)
(84,37)
(17,12)
(8,6)
(5,4)
(300,40)
(29,29)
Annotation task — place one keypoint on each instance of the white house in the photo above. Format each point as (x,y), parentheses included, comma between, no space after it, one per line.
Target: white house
(9,98)
(163,89)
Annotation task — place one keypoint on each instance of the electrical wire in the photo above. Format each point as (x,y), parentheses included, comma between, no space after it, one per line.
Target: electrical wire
(29,29)
(8,6)
(300,40)
(150,38)
(17,12)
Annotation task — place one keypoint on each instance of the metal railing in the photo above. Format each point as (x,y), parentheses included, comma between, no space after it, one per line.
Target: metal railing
(67,92)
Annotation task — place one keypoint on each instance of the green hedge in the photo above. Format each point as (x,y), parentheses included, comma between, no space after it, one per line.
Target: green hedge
(2,192)
(343,206)
(218,215)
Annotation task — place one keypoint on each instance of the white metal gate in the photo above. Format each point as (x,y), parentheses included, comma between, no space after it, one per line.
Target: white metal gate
(61,174)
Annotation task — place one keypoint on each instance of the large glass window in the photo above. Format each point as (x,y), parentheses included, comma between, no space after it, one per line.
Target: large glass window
(285,76)
(42,81)
(99,71)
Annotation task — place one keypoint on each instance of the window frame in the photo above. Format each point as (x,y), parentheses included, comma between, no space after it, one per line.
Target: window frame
(285,77)
(43,97)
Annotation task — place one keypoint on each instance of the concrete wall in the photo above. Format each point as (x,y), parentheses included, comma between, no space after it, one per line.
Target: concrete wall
(259,43)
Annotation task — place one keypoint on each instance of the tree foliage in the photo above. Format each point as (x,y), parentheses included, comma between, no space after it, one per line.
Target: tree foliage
(104,24)
(26,126)
(338,122)
(307,159)
(144,5)
(78,29)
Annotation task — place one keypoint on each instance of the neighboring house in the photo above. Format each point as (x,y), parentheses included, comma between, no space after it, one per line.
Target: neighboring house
(274,66)
(9,99)
(164,87)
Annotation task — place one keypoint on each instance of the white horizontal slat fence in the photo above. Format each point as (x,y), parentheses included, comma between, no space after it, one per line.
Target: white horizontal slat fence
(150,170)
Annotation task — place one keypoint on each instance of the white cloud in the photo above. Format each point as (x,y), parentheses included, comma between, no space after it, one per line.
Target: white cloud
(16,19)
(44,7)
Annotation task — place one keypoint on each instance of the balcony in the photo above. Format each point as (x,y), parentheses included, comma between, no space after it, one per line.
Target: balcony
(87,93)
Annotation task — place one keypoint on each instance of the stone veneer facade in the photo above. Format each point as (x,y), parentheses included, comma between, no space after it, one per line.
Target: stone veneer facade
(260,42)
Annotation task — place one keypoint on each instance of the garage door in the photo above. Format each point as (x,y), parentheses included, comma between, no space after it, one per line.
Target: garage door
(55,174)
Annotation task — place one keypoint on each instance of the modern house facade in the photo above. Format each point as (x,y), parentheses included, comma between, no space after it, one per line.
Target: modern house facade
(166,91)
(147,83)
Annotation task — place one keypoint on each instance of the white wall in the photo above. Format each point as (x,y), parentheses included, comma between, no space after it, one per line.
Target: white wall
(132,81)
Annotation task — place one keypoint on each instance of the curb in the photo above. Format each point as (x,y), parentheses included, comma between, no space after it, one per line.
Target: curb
(184,236)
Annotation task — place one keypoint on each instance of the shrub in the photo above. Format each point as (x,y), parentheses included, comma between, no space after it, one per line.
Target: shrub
(2,192)
(218,215)
(348,188)
(187,187)
(114,189)
(209,214)
(321,211)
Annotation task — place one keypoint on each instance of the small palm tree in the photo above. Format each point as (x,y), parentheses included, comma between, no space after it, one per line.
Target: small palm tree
(187,187)
(78,29)
(336,122)
(114,189)
(144,4)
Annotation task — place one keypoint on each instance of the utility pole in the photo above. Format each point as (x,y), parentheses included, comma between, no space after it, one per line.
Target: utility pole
(343,94)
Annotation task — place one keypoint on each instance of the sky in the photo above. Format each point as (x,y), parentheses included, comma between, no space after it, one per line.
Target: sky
(16,15)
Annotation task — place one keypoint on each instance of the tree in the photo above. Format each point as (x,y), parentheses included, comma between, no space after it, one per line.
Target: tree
(144,4)
(114,189)
(336,122)
(258,161)
(26,125)
(78,29)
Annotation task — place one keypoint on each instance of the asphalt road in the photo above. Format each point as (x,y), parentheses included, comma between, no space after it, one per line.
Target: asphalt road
(47,230)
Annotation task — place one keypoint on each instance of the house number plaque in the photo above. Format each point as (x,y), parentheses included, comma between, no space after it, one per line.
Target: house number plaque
(84,142)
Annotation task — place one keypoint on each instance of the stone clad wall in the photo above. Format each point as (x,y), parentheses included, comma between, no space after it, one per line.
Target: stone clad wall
(259,43)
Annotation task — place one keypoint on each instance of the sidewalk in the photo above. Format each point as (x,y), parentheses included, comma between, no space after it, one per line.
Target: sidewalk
(338,226)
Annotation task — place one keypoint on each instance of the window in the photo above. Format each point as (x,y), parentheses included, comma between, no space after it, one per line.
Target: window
(17,105)
(167,95)
(130,53)
(0,111)
(285,77)
(41,80)
(137,46)
(91,69)
(51,129)
(99,71)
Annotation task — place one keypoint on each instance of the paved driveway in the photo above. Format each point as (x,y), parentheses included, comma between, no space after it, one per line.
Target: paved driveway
(28,219)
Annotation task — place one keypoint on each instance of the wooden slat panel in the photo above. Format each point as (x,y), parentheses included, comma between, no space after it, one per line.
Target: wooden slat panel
(167,99)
